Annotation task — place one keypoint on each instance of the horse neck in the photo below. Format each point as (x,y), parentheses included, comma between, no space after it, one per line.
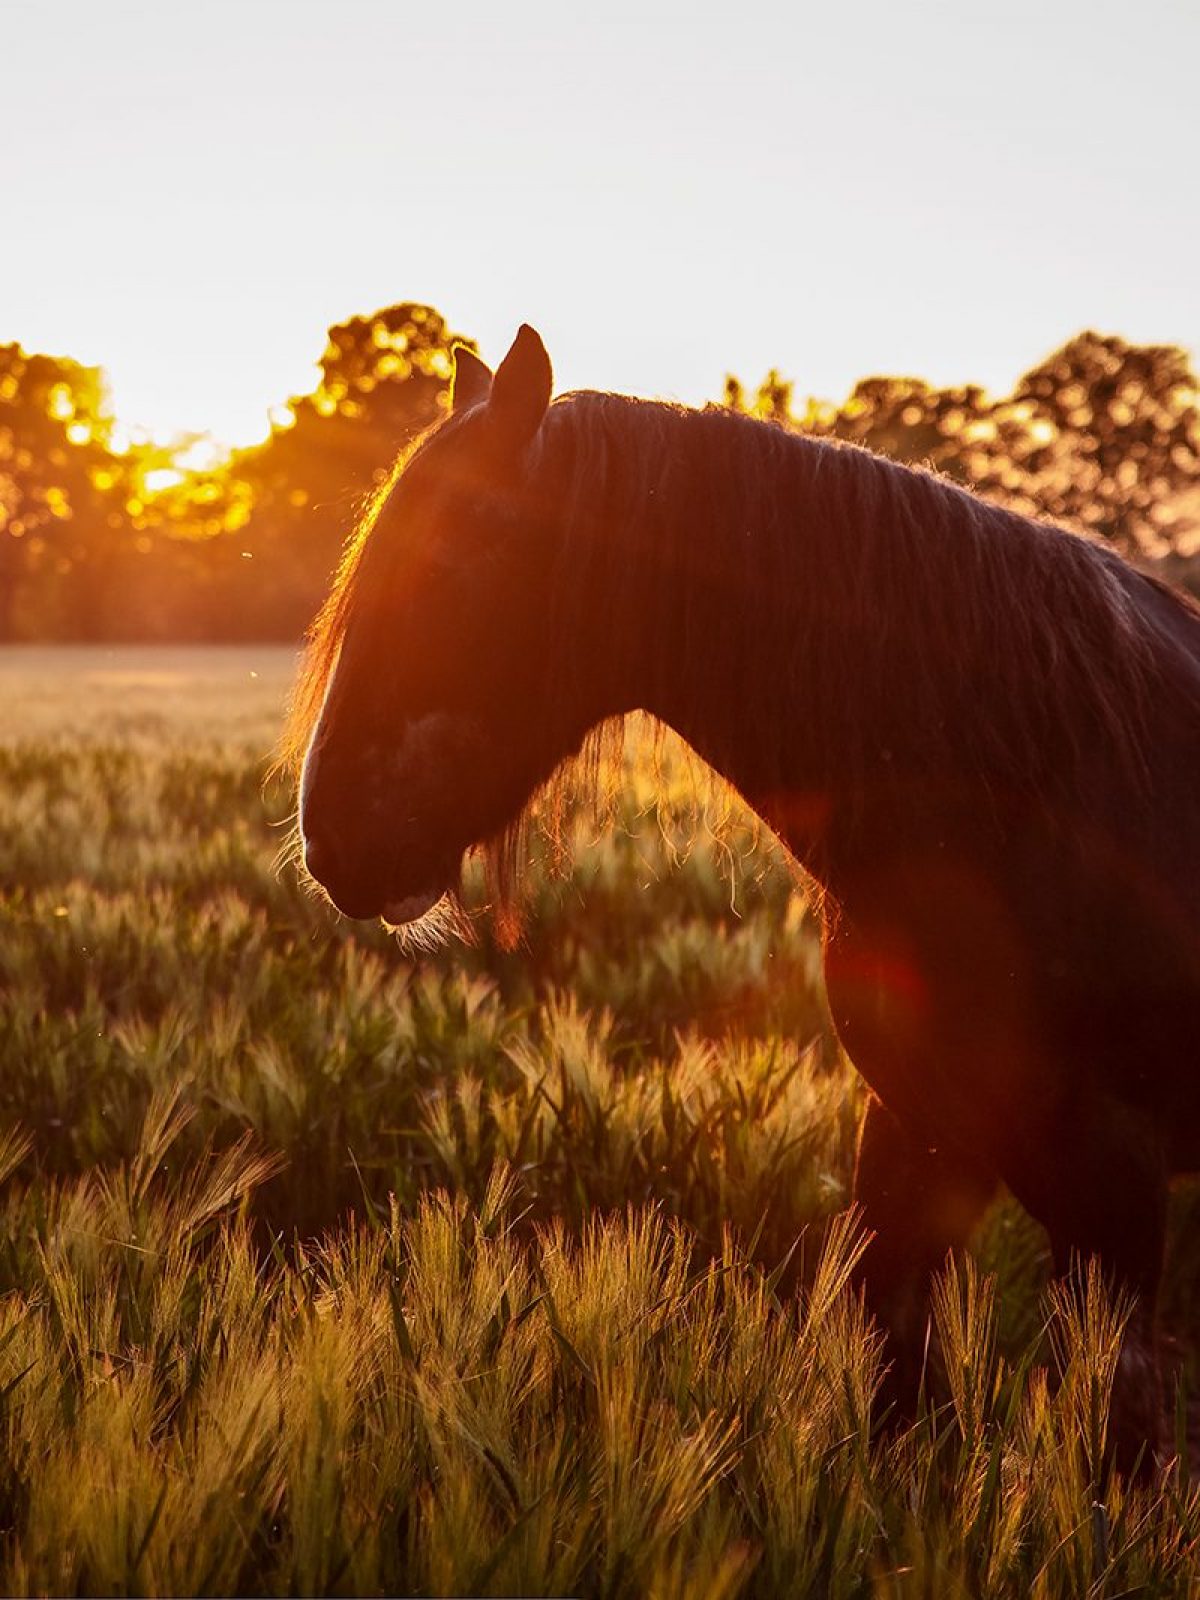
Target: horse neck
(834,633)
(736,595)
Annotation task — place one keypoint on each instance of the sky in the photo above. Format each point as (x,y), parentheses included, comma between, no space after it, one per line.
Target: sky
(194,193)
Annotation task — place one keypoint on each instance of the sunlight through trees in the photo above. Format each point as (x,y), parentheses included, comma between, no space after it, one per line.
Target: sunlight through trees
(103,536)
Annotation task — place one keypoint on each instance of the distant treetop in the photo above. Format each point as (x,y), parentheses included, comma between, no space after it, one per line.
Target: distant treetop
(102,537)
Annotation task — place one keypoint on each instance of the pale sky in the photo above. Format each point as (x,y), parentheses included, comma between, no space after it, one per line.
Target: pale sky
(193,193)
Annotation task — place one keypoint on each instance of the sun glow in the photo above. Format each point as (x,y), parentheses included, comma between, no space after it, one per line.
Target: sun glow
(224,395)
(160,479)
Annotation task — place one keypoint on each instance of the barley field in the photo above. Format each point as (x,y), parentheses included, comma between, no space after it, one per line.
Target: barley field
(324,1270)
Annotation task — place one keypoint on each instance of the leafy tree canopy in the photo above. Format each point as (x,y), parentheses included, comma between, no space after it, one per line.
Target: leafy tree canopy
(101,537)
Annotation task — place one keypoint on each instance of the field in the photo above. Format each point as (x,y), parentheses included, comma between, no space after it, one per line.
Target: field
(327,1271)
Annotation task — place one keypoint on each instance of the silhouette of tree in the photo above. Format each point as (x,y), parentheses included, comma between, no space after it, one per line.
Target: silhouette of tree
(290,502)
(62,494)
(1118,441)
(106,540)
(245,549)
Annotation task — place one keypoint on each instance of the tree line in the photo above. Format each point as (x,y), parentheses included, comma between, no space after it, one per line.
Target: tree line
(102,539)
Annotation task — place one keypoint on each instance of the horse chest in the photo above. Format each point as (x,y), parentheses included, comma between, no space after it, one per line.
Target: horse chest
(934,997)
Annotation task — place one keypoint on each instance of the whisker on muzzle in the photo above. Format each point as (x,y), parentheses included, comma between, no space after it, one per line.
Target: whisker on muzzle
(447,920)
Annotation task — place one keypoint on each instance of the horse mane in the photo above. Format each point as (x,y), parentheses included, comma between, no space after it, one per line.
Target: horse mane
(809,589)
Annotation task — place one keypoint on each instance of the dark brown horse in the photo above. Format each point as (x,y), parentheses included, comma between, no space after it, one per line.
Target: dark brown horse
(978,734)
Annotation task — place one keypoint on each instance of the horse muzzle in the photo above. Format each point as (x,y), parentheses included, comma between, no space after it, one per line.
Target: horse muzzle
(354,889)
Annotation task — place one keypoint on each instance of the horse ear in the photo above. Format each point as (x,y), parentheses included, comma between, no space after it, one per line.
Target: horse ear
(521,388)
(472,380)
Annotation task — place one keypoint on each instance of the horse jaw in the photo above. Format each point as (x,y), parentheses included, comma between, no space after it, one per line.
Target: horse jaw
(411,907)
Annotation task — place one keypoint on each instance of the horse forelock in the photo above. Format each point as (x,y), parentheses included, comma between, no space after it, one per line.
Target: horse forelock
(326,635)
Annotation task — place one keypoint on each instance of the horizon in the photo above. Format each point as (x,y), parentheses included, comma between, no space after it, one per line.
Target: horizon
(209,448)
(666,203)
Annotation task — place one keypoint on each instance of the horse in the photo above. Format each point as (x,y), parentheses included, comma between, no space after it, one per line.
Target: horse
(976,733)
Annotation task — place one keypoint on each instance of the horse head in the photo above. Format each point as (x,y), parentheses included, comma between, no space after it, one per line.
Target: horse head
(435,723)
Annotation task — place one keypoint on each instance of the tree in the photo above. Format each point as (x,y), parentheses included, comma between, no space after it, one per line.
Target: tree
(293,500)
(62,496)
(1118,442)
(246,549)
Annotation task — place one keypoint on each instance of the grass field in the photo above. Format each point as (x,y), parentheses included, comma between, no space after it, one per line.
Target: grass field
(325,1271)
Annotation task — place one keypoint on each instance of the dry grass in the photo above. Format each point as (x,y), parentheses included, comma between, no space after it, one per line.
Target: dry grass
(322,1271)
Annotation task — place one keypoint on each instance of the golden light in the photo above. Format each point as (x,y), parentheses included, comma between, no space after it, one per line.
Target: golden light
(160,479)
(201,454)
(59,404)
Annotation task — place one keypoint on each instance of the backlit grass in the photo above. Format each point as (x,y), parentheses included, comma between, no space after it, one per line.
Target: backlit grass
(325,1271)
